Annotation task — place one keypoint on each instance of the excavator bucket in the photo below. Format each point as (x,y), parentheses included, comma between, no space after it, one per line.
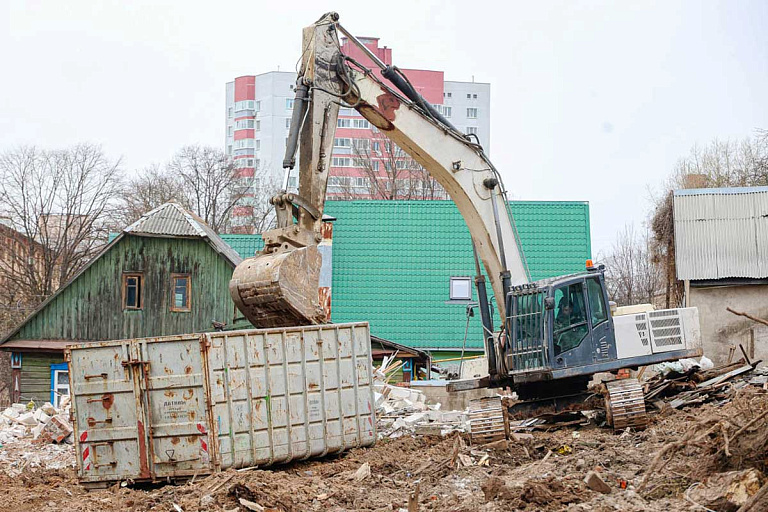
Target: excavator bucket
(279,290)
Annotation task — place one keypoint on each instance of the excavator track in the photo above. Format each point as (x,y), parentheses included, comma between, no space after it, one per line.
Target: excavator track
(487,421)
(625,404)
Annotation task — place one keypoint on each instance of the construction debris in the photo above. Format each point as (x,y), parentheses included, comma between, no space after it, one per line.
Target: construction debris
(596,483)
(403,410)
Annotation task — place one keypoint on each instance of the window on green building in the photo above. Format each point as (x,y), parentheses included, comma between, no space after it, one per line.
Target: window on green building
(180,292)
(132,291)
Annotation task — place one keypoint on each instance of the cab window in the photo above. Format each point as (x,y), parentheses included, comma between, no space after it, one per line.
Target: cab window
(570,317)
(596,302)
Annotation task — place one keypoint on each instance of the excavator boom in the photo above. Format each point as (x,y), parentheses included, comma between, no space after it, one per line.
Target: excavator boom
(278,287)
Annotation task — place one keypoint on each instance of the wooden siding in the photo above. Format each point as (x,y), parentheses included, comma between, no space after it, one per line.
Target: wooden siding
(91,307)
(36,376)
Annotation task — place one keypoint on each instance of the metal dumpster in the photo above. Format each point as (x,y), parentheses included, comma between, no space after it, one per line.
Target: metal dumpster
(175,406)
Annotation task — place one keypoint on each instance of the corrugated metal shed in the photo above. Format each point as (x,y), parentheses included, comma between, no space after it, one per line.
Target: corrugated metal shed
(721,233)
(171,220)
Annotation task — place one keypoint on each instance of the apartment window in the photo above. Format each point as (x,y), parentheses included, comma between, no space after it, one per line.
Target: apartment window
(387,166)
(377,146)
(346,111)
(258,125)
(288,103)
(258,106)
(288,123)
(180,284)
(229,112)
(133,291)
(474,96)
(229,131)
(358,162)
(342,142)
(244,143)
(449,95)
(361,123)
(375,165)
(343,123)
(472,130)
(461,288)
(446,111)
(229,149)
(361,144)
(472,113)
(469,96)
(286,141)
(258,144)
(244,124)
(341,162)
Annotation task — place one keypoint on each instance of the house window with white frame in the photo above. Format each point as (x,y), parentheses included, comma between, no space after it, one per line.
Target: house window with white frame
(472,113)
(460,288)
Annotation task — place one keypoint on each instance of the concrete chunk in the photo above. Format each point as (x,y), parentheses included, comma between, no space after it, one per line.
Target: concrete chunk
(596,483)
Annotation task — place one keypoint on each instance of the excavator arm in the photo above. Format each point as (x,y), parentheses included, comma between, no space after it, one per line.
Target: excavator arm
(278,287)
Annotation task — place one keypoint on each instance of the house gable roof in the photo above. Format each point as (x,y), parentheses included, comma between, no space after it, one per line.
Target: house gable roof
(171,220)
(168,220)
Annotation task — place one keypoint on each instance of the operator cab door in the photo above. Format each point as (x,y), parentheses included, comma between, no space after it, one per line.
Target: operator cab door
(571,335)
(603,339)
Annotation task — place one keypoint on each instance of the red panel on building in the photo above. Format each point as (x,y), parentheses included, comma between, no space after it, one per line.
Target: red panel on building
(427,83)
(244,134)
(245,88)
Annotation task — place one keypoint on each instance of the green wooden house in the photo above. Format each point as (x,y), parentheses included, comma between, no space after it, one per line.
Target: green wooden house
(167,273)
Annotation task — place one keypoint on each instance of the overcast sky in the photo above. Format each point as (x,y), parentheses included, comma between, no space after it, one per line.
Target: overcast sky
(591,101)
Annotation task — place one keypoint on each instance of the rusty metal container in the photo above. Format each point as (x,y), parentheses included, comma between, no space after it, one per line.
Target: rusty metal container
(171,407)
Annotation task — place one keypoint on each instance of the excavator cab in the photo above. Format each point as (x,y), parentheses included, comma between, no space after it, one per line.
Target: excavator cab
(561,323)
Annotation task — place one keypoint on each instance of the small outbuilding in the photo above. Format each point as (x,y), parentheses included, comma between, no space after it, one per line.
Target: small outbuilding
(721,255)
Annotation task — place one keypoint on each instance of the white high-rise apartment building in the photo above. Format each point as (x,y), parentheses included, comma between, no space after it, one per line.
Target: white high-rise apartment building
(257,121)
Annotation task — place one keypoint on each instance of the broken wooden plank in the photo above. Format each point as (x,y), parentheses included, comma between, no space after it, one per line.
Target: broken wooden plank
(721,378)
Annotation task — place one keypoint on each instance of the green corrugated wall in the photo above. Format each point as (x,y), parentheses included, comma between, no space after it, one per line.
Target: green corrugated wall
(393,261)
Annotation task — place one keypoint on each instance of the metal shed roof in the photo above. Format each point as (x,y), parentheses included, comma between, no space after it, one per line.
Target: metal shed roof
(170,219)
(721,233)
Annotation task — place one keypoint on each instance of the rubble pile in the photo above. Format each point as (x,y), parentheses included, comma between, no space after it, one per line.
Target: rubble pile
(33,437)
(46,424)
(687,383)
(401,410)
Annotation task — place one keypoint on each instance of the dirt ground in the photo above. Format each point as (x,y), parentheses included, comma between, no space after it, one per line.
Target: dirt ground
(545,473)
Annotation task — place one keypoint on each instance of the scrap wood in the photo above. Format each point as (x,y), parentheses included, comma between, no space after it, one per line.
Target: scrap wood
(733,373)
(413,499)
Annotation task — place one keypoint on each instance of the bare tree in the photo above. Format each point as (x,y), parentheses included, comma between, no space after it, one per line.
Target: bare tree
(255,213)
(59,204)
(631,275)
(209,179)
(152,187)
(383,170)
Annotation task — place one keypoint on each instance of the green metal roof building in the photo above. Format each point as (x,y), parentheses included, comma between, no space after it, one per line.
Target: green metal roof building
(393,260)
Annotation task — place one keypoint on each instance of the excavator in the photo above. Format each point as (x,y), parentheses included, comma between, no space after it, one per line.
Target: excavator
(554,335)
